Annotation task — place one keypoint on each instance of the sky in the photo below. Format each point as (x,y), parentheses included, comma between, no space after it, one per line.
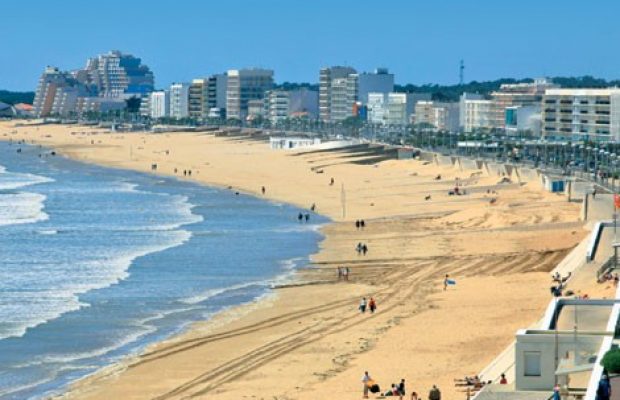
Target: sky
(419,41)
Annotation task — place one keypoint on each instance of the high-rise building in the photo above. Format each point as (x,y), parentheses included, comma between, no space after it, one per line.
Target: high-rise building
(51,81)
(117,74)
(393,108)
(160,104)
(110,76)
(216,94)
(244,85)
(380,81)
(475,112)
(582,113)
(377,108)
(335,79)
(198,94)
(343,97)
(179,100)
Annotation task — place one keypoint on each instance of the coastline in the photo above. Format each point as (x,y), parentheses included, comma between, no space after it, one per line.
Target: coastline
(407,283)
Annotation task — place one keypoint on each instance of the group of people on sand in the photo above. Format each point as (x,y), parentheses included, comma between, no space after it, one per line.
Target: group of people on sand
(370,386)
(360,224)
(343,273)
(301,217)
(361,248)
(186,172)
(370,305)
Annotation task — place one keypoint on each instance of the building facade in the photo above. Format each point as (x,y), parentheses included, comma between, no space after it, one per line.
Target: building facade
(160,104)
(197,103)
(244,85)
(117,74)
(582,113)
(332,87)
(179,100)
(475,112)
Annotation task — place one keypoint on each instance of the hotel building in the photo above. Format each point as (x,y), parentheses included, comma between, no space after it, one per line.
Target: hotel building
(475,112)
(179,100)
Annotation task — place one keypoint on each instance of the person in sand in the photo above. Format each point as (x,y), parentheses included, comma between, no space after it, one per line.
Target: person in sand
(363,305)
(367,382)
(434,394)
(446,282)
(372,305)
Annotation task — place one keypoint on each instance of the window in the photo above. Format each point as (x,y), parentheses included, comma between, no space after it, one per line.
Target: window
(532,363)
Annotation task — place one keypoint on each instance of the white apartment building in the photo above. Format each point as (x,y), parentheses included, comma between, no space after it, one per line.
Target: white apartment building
(244,85)
(592,113)
(475,112)
(277,105)
(179,100)
(160,104)
(377,108)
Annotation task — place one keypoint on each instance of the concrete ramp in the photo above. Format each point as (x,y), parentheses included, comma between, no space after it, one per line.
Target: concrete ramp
(527,174)
(443,160)
(468,163)
(496,169)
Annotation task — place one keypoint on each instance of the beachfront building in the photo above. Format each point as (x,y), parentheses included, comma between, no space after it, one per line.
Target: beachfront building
(277,105)
(114,75)
(216,95)
(244,85)
(582,113)
(159,104)
(379,81)
(102,105)
(52,81)
(441,116)
(391,108)
(519,94)
(377,108)
(197,100)
(117,74)
(337,93)
(256,109)
(179,100)
(475,112)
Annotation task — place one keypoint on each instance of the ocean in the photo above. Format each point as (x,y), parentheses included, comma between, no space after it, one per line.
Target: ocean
(96,263)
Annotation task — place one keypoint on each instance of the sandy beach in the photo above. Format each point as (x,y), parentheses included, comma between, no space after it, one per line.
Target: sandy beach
(309,339)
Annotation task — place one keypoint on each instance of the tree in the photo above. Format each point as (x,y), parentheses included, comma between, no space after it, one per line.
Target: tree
(133,104)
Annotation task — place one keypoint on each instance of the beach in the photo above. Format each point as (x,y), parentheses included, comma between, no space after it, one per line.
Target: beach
(498,241)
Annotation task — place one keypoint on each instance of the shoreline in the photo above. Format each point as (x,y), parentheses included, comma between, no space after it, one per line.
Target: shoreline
(382,279)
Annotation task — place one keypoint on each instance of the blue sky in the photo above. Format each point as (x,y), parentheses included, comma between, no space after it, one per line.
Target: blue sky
(420,41)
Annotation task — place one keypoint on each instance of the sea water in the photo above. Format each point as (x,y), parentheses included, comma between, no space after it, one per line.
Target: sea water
(95,263)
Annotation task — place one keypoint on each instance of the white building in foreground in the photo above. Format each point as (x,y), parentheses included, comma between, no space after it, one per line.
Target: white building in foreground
(475,112)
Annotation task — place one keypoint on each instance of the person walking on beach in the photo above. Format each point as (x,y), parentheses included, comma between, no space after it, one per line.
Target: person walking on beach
(313,207)
(372,305)
(331,182)
(307,217)
(357,224)
(362,224)
(363,305)
(262,189)
(446,280)
(434,394)
(364,249)
(340,273)
(401,388)
(300,217)
(347,272)
(359,248)
(366,380)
